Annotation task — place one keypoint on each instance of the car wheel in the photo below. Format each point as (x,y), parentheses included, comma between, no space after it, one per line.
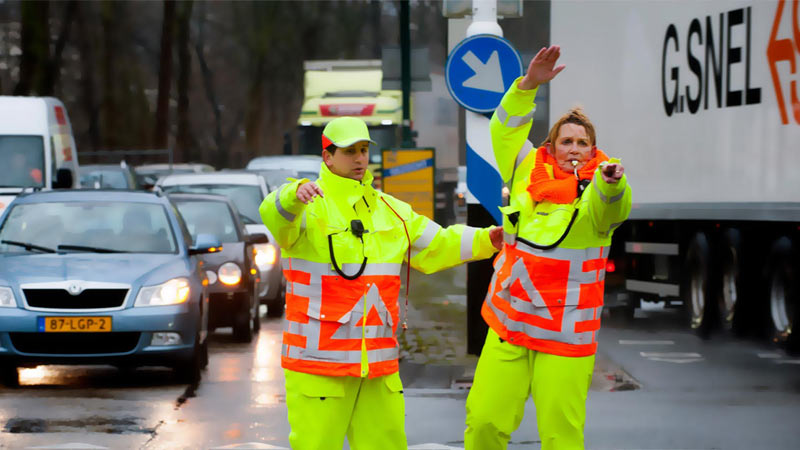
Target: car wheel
(188,370)
(243,328)
(276,306)
(256,314)
(9,375)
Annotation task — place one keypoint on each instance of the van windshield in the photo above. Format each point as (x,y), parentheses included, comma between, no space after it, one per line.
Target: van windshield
(22,161)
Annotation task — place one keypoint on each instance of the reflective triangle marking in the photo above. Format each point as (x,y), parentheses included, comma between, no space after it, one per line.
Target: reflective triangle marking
(373,318)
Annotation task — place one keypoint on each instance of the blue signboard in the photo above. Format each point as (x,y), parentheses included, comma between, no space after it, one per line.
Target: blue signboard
(480,69)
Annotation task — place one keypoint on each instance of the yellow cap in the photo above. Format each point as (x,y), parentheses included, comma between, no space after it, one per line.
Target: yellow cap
(344,132)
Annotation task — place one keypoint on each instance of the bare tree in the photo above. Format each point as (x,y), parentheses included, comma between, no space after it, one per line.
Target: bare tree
(183,141)
(87,82)
(164,76)
(35,45)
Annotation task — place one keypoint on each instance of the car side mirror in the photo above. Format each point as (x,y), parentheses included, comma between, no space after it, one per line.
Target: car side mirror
(257,238)
(63,179)
(205,243)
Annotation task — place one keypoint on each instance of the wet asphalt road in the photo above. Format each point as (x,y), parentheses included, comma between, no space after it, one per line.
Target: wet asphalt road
(656,387)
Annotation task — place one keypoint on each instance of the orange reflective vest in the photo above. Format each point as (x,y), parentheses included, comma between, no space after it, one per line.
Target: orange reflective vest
(547,300)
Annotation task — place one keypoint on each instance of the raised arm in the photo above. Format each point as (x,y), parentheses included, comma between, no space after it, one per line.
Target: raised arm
(282,210)
(512,120)
(609,197)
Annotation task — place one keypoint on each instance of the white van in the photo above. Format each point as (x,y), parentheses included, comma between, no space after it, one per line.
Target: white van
(37,148)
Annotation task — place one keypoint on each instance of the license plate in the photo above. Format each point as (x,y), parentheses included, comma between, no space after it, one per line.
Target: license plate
(75,324)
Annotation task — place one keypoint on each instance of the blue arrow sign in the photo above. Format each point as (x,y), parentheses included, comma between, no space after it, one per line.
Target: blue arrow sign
(480,69)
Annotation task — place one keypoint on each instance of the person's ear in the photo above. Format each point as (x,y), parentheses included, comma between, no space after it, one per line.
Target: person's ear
(594,151)
(327,157)
(548,148)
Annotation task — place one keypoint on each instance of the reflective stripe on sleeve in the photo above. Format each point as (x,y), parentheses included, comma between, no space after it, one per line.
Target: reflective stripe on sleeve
(604,197)
(513,121)
(467,238)
(425,239)
(283,212)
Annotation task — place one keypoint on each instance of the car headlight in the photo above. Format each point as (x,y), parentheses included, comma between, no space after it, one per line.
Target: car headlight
(7,299)
(266,255)
(173,292)
(229,274)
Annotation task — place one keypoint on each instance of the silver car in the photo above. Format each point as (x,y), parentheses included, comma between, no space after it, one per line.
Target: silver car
(246,190)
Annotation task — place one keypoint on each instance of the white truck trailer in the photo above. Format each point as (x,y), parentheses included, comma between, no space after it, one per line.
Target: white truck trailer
(700,101)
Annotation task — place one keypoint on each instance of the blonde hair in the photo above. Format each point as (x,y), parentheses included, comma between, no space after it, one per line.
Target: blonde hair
(575,116)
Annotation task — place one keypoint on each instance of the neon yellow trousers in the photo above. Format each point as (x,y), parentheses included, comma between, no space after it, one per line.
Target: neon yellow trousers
(506,376)
(323,410)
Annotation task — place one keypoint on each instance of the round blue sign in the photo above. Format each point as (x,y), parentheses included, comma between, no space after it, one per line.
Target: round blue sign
(480,69)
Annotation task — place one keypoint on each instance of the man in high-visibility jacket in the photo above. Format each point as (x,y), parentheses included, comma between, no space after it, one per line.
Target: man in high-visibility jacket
(544,301)
(342,247)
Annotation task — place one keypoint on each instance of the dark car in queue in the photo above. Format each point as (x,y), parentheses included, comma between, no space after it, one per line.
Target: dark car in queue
(232,272)
(246,190)
(108,176)
(101,277)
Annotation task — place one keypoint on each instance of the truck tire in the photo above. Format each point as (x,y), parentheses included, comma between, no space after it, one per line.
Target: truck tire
(697,286)
(730,284)
(782,286)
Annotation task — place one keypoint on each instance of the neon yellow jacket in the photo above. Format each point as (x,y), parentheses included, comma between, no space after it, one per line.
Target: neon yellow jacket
(548,296)
(327,315)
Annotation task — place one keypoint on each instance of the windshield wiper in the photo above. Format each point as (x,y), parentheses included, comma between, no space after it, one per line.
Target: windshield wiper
(89,249)
(28,246)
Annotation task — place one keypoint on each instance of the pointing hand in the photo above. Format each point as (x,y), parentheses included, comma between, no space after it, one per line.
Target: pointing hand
(307,191)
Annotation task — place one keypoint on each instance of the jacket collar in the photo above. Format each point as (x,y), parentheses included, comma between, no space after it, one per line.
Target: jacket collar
(345,189)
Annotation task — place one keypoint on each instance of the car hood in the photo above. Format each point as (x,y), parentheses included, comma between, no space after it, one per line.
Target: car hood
(135,268)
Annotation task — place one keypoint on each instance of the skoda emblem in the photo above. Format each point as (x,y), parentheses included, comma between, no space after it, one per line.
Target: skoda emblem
(75,289)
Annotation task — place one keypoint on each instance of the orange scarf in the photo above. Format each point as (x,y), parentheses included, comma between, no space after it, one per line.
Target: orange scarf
(563,187)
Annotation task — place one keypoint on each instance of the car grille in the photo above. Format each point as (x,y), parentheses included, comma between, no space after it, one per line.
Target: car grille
(62,299)
(75,343)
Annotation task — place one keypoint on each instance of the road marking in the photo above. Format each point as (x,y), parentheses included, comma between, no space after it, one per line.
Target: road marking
(673,357)
(257,445)
(431,446)
(644,342)
(772,355)
(75,445)
(788,361)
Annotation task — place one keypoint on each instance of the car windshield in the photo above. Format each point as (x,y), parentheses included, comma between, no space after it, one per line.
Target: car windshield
(21,158)
(209,217)
(104,178)
(98,226)
(247,198)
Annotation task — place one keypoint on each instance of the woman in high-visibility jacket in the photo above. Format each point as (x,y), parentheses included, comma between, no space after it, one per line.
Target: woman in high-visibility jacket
(342,247)
(544,301)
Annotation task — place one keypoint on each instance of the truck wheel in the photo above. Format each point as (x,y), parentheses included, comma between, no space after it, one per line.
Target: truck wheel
(783,295)
(730,288)
(696,285)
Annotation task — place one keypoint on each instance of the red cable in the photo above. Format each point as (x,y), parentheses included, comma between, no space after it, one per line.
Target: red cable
(408,264)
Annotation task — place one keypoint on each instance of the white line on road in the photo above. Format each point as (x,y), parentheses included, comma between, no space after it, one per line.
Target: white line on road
(432,446)
(771,355)
(252,445)
(673,357)
(788,361)
(75,445)
(644,342)
(670,355)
